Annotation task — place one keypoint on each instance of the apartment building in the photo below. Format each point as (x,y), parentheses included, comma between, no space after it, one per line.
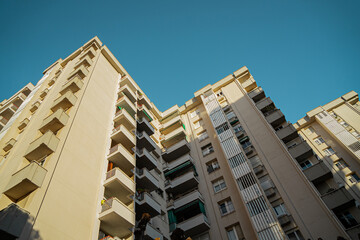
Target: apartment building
(332,131)
(87,153)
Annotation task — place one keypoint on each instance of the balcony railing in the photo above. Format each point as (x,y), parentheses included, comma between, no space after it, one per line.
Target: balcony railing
(122,157)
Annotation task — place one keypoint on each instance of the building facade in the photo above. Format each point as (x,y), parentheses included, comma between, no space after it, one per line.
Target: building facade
(86,153)
(332,131)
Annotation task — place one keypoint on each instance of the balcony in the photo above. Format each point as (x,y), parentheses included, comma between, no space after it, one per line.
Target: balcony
(337,198)
(122,157)
(143,112)
(144,125)
(116,218)
(144,179)
(55,121)
(90,53)
(258,169)
(182,183)
(275,118)
(25,181)
(171,125)
(128,92)
(249,84)
(73,85)
(146,204)
(152,233)
(23,124)
(284,220)
(257,94)
(80,72)
(119,185)
(176,150)
(270,192)
(318,173)
(124,102)
(122,135)
(195,225)
(249,150)
(122,117)
(126,80)
(41,147)
(144,141)
(173,137)
(13,221)
(3,121)
(143,100)
(22,96)
(44,93)
(9,144)
(52,81)
(85,61)
(145,160)
(353,231)
(14,107)
(35,106)
(301,151)
(181,160)
(265,103)
(188,198)
(65,101)
(288,133)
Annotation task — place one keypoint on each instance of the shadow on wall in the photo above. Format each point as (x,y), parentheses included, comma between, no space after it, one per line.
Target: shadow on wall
(16,223)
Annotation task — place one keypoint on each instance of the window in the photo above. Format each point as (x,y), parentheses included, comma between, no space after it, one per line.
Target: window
(356,134)
(198,124)
(291,145)
(319,140)
(344,124)
(310,130)
(354,178)
(226,207)
(212,166)
(237,128)
(207,149)
(202,136)
(245,144)
(333,115)
(222,128)
(347,219)
(219,185)
(305,164)
(296,235)
(341,164)
(329,151)
(231,234)
(230,115)
(280,210)
(278,128)
(255,161)
(194,113)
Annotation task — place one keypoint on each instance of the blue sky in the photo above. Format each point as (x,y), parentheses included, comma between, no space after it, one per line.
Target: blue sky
(303,53)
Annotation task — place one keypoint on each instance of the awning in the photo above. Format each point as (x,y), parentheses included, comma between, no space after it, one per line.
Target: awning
(187,206)
(178,168)
(243,139)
